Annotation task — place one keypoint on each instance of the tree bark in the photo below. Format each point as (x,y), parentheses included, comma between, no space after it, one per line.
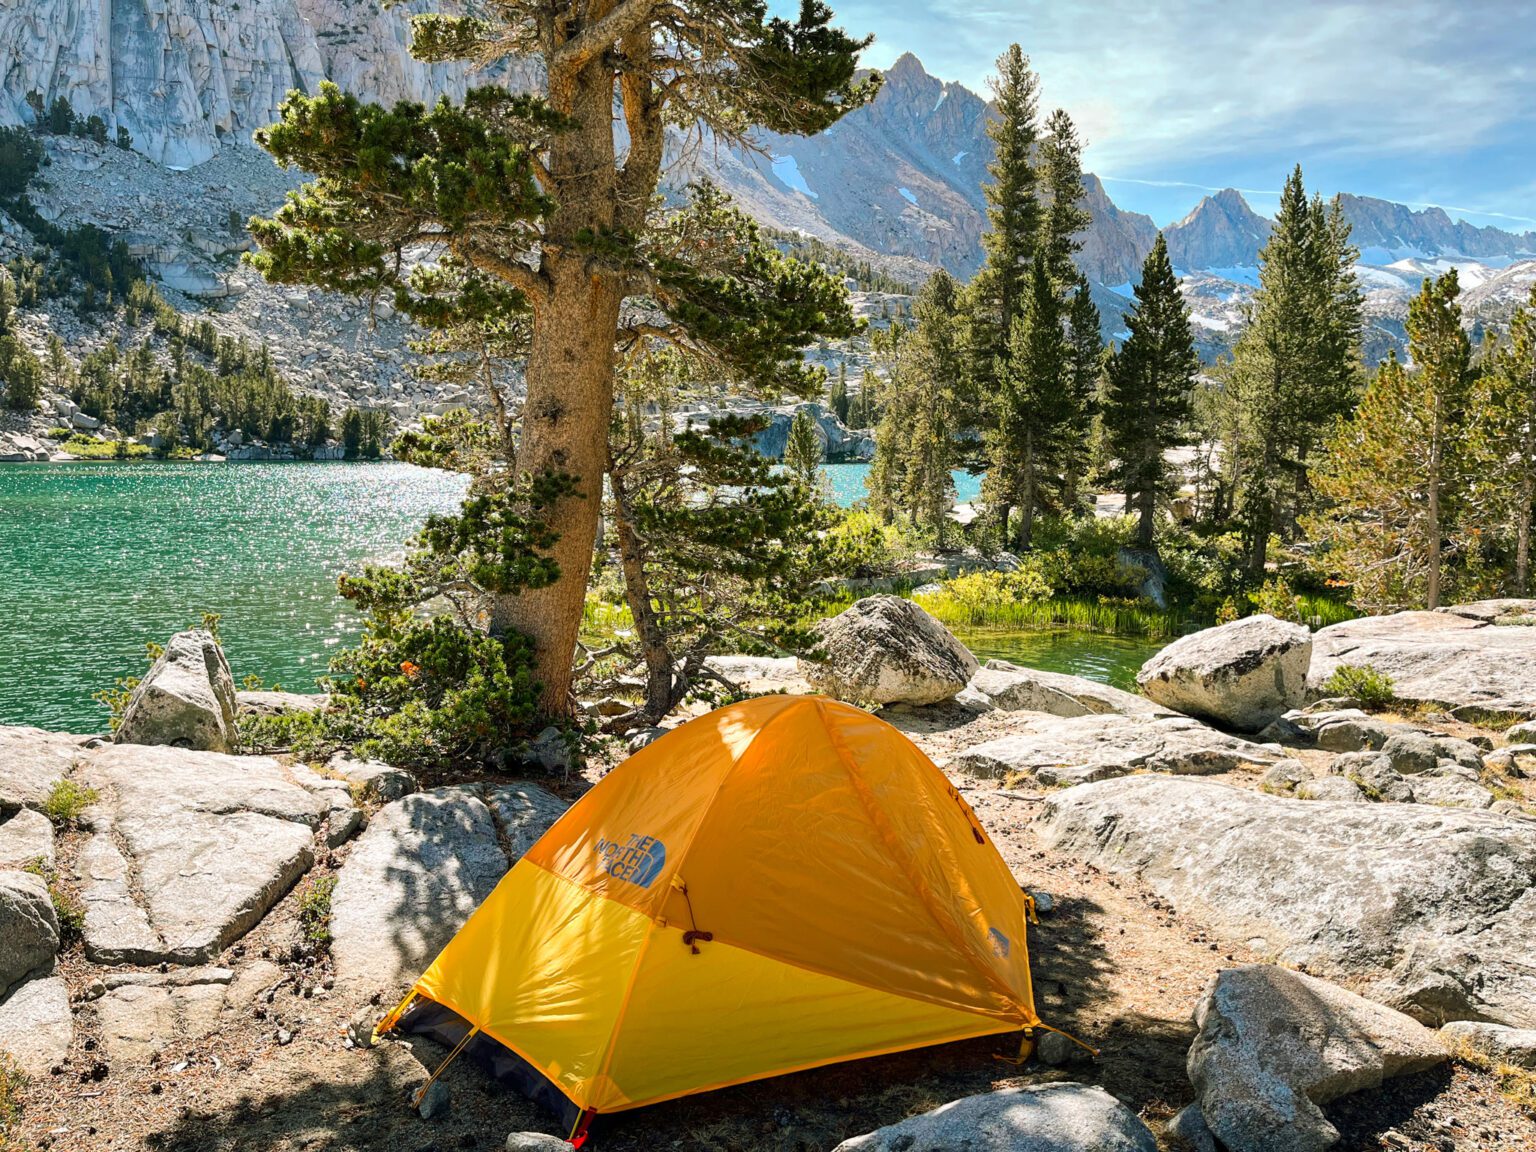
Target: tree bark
(1027,496)
(659,673)
(570,368)
(1146,525)
(1432,511)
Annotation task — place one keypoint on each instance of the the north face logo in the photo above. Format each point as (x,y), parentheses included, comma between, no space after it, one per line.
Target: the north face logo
(999,943)
(638,861)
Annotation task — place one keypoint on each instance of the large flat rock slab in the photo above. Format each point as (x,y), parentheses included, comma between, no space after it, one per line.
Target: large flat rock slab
(189,850)
(32,762)
(36,1025)
(1079,749)
(1478,660)
(1433,910)
(1012,688)
(423,865)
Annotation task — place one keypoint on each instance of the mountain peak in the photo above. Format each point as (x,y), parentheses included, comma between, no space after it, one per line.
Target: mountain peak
(1221,232)
(1232,200)
(906,68)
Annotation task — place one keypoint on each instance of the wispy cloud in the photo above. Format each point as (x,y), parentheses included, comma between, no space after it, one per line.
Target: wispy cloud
(1397,98)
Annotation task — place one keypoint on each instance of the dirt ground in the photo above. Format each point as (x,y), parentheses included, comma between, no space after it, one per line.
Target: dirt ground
(1113,964)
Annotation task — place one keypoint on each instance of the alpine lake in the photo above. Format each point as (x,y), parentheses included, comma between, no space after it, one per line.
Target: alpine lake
(101,559)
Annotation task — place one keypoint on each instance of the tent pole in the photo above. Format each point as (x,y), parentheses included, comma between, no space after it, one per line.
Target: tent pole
(441,1068)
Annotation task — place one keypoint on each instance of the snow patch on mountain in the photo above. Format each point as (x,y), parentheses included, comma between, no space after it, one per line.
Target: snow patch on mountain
(787,171)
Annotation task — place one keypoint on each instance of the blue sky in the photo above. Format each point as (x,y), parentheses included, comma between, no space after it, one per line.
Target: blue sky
(1415,101)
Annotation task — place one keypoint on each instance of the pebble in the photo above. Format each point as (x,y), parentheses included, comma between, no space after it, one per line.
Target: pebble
(434,1101)
(284,1036)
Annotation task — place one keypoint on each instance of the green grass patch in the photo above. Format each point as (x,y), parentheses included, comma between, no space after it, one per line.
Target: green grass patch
(70,912)
(1107,618)
(13,1083)
(87,448)
(315,909)
(66,800)
(1374,689)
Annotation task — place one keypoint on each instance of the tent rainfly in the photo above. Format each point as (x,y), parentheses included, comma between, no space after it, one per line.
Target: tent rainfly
(782,884)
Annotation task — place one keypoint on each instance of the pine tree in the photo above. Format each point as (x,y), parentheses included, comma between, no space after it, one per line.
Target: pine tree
(1506,435)
(914,442)
(1150,382)
(543,194)
(717,545)
(839,393)
(1085,375)
(1296,365)
(1395,472)
(1064,218)
(1033,404)
(1442,353)
(802,449)
(1013,225)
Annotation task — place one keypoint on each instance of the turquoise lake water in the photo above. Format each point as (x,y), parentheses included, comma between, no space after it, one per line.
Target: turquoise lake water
(100,559)
(847,483)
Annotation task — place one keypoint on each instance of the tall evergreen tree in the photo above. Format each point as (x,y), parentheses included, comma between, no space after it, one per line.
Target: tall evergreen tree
(1150,382)
(1395,472)
(1085,375)
(914,443)
(1063,218)
(1033,404)
(1013,226)
(1296,365)
(1506,436)
(1442,353)
(547,194)
(802,449)
(838,398)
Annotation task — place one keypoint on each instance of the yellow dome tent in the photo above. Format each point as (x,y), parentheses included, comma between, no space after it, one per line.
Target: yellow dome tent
(781,884)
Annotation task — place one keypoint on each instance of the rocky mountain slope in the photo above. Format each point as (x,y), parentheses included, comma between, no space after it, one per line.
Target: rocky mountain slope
(897,184)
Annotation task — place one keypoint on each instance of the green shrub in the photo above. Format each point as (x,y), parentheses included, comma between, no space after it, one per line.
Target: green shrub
(315,909)
(69,911)
(978,597)
(116,697)
(425,694)
(21,153)
(1363,683)
(88,448)
(860,546)
(67,800)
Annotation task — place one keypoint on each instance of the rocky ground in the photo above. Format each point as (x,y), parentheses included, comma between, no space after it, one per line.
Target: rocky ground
(239,913)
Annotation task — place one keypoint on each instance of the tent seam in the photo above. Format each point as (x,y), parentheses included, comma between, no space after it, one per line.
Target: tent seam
(922,890)
(870,986)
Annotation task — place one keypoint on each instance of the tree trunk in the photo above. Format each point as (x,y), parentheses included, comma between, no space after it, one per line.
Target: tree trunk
(1523,538)
(659,673)
(565,429)
(1432,511)
(1146,525)
(569,400)
(1258,540)
(1526,504)
(1027,496)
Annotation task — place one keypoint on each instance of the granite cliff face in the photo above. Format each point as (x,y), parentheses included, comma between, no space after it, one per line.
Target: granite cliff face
(186,77)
